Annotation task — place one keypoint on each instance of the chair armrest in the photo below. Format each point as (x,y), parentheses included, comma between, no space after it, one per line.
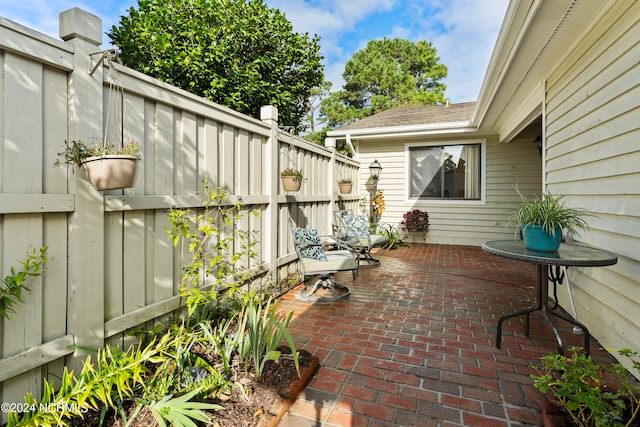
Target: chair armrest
(337,243)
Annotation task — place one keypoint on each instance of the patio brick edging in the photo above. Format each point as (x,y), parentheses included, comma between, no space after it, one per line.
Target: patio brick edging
(287,398)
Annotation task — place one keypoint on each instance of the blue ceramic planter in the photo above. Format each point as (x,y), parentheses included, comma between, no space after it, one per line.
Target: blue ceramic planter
(535,238)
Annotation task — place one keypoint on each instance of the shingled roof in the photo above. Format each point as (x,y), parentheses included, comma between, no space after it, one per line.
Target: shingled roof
(461,112)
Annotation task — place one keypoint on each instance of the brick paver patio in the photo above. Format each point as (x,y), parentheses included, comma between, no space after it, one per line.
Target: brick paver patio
(414,345)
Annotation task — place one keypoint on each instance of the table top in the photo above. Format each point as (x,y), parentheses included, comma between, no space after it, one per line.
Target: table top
(566,255)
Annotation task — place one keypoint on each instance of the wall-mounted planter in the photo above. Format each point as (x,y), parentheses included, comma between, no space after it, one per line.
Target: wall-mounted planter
(111,172)
(345,188)
(289,183)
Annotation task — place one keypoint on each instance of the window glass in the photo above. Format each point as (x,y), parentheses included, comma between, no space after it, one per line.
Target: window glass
(444,172)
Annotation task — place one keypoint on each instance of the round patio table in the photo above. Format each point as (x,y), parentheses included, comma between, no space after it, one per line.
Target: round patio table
(566,256)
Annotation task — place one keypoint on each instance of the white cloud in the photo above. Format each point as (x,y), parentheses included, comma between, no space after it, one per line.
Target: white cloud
(464,32)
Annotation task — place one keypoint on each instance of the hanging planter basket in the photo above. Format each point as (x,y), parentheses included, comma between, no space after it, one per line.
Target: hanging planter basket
(345,188)
(111,172)
(290,183)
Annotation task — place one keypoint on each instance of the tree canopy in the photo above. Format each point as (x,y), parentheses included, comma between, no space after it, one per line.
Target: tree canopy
(387,73)
(238,53)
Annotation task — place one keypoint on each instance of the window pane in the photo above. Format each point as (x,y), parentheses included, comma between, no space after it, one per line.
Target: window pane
(426,171)
(458,164)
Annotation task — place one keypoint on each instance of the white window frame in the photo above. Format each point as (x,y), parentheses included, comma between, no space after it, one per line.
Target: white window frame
(431,202)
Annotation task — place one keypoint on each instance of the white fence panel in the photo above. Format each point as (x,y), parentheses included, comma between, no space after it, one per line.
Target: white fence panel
(111,266)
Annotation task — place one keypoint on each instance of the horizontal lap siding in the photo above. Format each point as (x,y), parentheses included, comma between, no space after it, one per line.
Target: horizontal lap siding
(507,165)
(593,156)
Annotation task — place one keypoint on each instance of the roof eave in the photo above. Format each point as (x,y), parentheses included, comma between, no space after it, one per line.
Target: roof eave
(400,131)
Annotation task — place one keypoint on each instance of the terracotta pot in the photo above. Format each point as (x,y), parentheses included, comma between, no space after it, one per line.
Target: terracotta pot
(111,172)
(345,188)
(290,184)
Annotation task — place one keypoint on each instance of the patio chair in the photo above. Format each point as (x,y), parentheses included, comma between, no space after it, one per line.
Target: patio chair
(315,261)
(354,229)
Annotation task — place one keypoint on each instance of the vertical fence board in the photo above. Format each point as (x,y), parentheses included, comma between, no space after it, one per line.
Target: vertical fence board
(133,253)
(210,151)
(189,164)
(227,151)
(164,147)
(243,163)
(23,127)
(113,262)
(55,129)
(133,128)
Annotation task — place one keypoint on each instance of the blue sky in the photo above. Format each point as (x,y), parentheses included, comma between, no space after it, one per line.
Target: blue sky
(463,31)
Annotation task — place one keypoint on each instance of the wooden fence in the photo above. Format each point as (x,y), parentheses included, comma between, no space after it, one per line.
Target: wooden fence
(111,266)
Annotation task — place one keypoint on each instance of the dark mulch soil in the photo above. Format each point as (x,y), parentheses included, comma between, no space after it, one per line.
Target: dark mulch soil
(245,407)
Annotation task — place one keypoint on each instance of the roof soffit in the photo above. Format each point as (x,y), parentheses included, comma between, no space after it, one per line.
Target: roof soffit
(531,44)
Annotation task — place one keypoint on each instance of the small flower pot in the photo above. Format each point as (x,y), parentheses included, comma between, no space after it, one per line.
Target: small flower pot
(345,188)
(111,172)
(290,184)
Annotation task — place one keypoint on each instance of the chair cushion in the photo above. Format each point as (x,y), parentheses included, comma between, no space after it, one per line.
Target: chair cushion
(336,261)
(357,226)
(310,245)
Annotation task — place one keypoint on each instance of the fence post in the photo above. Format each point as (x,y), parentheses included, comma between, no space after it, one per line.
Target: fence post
(269,115)
(85,287)
(330,143)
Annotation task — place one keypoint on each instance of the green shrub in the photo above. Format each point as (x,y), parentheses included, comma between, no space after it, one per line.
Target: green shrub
(576,382)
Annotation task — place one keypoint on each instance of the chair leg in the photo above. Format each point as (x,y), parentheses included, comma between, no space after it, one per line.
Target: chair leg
(370,261)
(336,291)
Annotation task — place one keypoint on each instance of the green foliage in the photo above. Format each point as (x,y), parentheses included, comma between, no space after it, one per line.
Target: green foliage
(549,212)
(387,73)
(180,411)
(238,53)
(391,232)
(576,382)
(262,332)
(117,376)
(296,174)
(13,284)
(220,250)
(76,152)
(312,119)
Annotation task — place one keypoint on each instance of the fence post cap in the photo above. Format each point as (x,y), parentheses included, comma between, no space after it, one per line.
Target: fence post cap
(76,23)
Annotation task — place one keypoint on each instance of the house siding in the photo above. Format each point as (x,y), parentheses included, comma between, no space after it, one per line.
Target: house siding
(456,223)
(592,134)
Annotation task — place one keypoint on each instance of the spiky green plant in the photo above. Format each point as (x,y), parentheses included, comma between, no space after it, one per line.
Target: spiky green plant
(262,332)
(549,212)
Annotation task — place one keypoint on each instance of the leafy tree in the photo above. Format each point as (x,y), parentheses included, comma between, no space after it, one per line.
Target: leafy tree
(238,53)
(387,73)
(313,106)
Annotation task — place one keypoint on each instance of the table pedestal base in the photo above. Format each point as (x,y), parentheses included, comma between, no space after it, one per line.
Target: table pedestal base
(542,303)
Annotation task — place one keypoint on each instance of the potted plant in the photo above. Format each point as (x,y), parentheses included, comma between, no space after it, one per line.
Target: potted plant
(107,167)
(544,219)
(589,394)
(291,179)
(415,221)
(346,185)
